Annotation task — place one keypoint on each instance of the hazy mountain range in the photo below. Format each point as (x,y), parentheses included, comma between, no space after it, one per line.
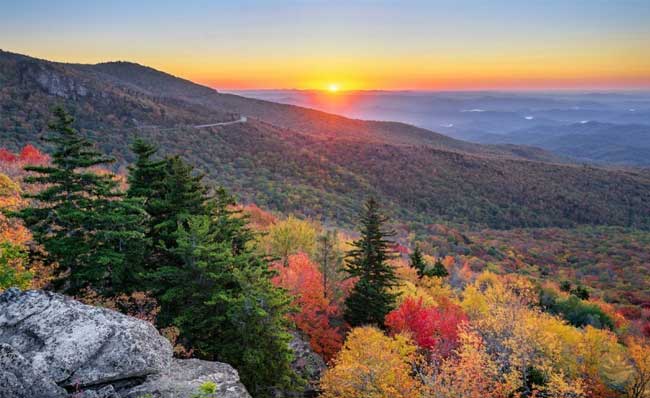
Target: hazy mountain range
(609,127)
(301,160)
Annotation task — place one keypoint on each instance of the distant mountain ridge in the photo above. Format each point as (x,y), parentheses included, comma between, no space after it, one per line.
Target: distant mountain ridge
(295,159)
(625,144)
(497,117)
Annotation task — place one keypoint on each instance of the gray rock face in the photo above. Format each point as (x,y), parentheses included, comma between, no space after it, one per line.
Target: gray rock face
(79,345)
(309,365)
(60,85)
(51,344)
(17,380)
(185,376)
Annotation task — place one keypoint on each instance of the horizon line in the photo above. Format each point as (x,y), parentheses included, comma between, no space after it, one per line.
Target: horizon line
(594,90)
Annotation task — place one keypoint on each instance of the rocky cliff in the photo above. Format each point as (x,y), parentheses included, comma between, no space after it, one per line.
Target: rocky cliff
(52,346)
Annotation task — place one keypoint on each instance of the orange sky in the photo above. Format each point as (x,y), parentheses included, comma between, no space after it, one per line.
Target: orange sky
(382,44)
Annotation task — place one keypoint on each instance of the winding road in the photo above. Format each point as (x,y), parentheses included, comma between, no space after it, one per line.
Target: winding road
(242,119)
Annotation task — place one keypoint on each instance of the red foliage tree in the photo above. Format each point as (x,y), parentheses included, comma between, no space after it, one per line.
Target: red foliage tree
(317,315)
(31,155)
(645,329)
(7,156)
(433,328)
(12,164)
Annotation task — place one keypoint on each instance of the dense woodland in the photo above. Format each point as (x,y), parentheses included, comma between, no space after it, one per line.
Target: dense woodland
(396,311)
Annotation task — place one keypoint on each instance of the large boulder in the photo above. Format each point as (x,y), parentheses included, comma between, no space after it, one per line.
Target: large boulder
(185,376)
(78,345)
(17,380)
(52,346)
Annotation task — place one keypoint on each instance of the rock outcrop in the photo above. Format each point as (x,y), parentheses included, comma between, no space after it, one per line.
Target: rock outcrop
(18,380)
(309,365)
(52,346)
(183,378)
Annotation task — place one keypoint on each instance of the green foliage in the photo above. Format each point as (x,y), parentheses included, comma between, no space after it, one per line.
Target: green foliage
(225,306)
(171,191)
(417,261)
(581,292)
(206,390)
(183,195)
(371,299)
(145,174)
(206,277)
(438,270)
(566,286)
(81,217)
(12,271)
(576,311)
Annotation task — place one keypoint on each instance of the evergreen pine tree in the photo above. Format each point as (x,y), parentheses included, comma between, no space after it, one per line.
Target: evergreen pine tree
(229,221)
(183,195)
(417,261)
(208,280)
(81,217)
(371,298)
(146,175)
(146,183)
(438,270)
(171,192)
(223,302)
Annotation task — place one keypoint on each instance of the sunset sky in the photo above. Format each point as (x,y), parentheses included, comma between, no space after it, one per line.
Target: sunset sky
(421,45)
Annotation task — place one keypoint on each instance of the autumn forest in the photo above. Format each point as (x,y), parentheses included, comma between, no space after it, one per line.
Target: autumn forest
(325,199)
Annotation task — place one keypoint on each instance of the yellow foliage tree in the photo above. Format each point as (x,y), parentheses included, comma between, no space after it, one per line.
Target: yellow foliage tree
(639,381)
(373,365)
(10,191)
(10,199)
(538,351)
(408,289)
(13,236)
(291,236)
(471,373)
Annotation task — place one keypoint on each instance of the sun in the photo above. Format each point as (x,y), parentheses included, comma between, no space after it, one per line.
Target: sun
(333,87)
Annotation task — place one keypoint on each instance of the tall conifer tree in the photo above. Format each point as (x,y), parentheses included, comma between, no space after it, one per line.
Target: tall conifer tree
(183,195)
(417,261)
(171,191)
(208,280)
(223,302)
(81,217)
(371,298)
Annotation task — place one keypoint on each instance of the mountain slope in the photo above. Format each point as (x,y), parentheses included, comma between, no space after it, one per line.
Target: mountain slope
(295,159)
(304,120)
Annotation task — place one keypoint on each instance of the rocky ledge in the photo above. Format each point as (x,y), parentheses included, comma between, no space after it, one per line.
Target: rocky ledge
(52,346)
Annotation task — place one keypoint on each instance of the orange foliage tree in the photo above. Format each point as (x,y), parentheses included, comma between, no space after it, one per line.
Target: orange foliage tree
(13,237)
(12,164)
(317,316)
(471,373)
(638,383)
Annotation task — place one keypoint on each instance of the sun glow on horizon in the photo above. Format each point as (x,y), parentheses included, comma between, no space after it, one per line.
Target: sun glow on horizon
(333,87)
